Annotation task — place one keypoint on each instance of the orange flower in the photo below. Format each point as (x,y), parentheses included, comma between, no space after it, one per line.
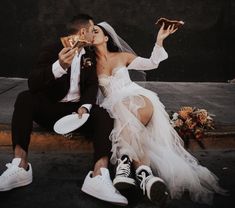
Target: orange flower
(202,116)
(189,122)
(178,123)
(185,112)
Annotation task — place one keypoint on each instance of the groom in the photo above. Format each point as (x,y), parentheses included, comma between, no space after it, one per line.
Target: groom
(64,81)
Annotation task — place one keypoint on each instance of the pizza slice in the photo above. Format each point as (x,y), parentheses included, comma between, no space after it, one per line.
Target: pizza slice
(168,22)
(74,41)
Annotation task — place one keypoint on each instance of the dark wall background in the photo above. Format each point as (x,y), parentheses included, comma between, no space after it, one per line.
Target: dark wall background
(201,51)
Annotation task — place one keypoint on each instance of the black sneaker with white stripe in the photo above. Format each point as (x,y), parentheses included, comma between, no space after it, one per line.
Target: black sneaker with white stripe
(154,186)
(123,178)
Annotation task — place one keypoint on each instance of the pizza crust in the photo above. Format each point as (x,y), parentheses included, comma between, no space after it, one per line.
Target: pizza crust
(168,22)
(73,41)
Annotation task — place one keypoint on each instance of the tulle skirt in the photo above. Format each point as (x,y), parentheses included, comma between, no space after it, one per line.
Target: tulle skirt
(157,144)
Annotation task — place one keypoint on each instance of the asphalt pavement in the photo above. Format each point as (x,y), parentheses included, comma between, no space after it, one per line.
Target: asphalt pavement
(58,178)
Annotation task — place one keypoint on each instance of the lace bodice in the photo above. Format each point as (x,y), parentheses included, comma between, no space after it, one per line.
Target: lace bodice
(120,80)
(116,82)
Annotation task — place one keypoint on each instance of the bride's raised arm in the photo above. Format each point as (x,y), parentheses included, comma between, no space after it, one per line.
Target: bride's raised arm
(158,54)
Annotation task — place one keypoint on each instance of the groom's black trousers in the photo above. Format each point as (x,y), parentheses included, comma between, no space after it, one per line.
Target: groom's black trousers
(37,107)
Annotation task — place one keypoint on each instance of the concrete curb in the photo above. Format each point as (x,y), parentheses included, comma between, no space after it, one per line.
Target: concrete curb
(49,141)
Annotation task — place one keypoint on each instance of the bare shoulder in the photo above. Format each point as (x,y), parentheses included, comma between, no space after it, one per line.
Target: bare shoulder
(127,57)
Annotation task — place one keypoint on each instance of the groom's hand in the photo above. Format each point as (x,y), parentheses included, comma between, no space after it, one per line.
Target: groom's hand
(66,56)
(81,111)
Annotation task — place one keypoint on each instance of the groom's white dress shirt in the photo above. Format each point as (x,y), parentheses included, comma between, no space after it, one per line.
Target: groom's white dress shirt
(74,90)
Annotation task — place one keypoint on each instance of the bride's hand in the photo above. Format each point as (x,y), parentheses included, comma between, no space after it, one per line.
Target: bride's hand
(162,34)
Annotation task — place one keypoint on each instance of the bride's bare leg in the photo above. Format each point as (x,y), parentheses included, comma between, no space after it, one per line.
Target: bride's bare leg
(154,186)
(145,113)
(137,164)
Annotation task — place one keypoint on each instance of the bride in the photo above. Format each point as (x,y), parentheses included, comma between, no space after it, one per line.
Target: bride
(142,137)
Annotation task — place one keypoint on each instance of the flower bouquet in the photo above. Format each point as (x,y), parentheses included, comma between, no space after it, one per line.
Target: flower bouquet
(191,123)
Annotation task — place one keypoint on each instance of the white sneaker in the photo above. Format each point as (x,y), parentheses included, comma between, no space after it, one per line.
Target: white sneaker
(154,186)
(102,188)
(15,176)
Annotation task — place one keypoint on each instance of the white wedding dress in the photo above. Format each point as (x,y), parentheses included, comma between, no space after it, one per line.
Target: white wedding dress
(157,144)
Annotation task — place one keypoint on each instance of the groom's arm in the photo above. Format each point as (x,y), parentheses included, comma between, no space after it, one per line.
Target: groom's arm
(88,97)
(90,88)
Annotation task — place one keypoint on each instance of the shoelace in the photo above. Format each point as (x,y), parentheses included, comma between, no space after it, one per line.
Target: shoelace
(123,169)
(144,180)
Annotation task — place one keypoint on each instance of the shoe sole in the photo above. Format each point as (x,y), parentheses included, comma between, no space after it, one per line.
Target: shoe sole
(17,185)
(94,194)
(122,183)
(158,193)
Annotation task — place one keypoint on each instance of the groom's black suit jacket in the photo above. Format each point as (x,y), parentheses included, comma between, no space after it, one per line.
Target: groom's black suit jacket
(42,80)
